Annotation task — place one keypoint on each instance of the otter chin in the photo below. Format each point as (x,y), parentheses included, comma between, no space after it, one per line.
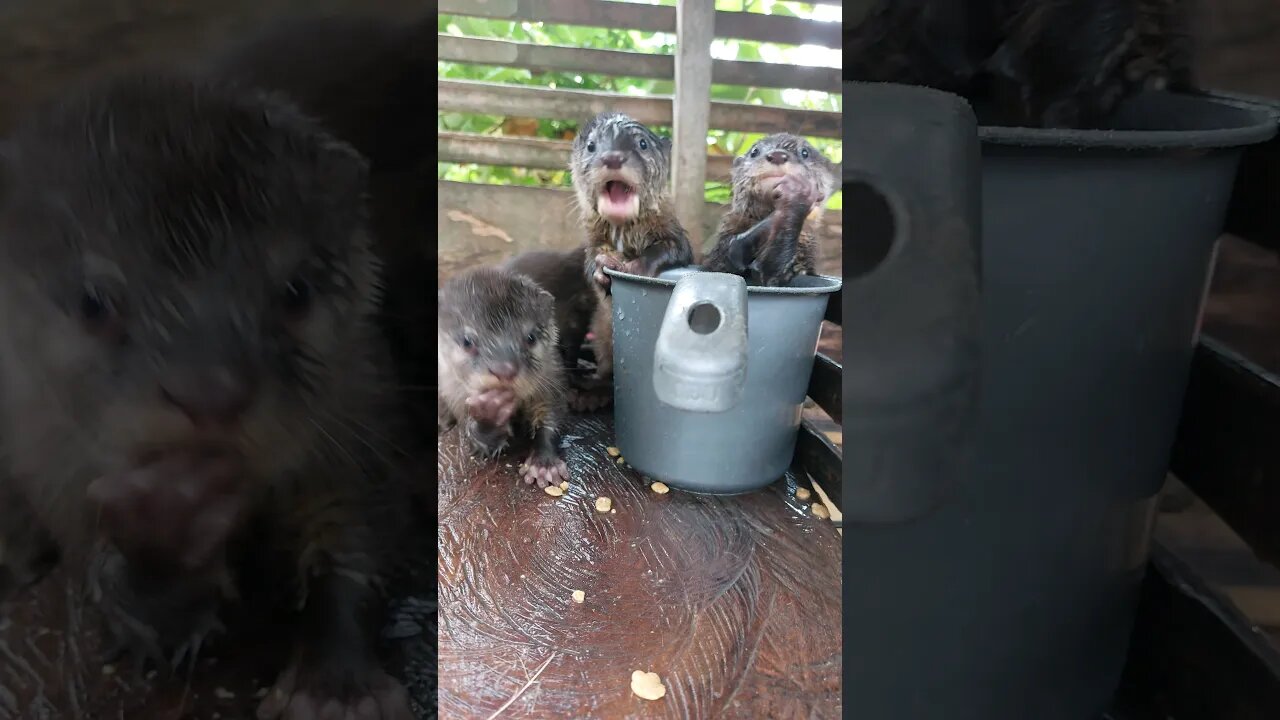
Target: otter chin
(618,201)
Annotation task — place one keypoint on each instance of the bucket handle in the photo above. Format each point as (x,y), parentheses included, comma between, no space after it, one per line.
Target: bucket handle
(700,358)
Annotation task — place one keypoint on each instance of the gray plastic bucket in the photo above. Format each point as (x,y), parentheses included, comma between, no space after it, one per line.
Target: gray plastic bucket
(709,400)
(1014,597)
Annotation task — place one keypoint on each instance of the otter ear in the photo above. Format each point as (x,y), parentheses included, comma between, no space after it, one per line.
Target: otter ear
(738,160)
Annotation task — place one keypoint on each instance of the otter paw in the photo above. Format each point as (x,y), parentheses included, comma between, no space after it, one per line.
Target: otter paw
(795,189)
(368,695)
(590,399)
(544,470)
(493,407)
(176,512)
(606,260)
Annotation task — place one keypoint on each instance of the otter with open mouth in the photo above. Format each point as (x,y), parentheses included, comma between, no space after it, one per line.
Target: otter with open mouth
(769,234)
(621,172)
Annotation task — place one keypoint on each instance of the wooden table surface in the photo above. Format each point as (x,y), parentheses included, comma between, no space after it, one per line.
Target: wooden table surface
(733,601)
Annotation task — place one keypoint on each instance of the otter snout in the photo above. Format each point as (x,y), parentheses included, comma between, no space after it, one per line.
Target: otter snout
(505,371)
(778,157)
(613,159)
(208,396)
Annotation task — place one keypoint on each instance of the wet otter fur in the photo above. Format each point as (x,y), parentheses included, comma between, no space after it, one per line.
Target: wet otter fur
(769,234)
(191,375)
(499,367)
(621,176)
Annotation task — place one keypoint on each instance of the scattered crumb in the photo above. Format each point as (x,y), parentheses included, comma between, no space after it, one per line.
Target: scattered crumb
(223,694)
(151,674)
(802,494)
(108,669)
(613,451)
(820,511)
(603,504)
(647,685)
(613,511)
(262,692)
(553,490)
(660,487)
(564,484)
(579,596)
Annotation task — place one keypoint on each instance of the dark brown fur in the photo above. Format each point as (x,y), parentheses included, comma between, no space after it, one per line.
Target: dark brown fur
(560,273)
(769,234)
(185,265)
(499,368)
(1039,63)
(647,241)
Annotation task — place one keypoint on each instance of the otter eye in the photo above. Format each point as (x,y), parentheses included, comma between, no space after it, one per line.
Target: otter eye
(467,343)
(591,146)
(755,152)
(804,153)
(531,338)
(644,144)
(297,296)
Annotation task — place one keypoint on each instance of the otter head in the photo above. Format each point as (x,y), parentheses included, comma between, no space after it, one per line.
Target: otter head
(180,263)
(620,168)
(757,172)
(496,329)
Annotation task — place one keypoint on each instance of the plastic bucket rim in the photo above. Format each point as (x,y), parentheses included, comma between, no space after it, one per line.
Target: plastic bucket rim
(833,284)
(1264,126)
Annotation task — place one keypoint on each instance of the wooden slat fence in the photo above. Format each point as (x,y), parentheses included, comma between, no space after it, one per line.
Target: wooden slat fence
(481,223)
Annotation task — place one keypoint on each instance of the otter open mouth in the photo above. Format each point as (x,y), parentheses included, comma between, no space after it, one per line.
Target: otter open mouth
(618,201)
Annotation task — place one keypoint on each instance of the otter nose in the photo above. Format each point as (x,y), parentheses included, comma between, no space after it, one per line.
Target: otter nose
(505,371)
(778,157)
(217,396)
(613,160)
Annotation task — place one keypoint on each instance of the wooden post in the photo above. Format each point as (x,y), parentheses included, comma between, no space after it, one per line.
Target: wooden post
(695,29)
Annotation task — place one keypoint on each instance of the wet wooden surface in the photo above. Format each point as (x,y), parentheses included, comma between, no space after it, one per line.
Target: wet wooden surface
(733,601)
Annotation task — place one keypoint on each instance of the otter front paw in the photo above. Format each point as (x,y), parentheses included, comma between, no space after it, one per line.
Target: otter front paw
(174,514)
(612,262)
(544,470)
(796,189)
(493,407)
(362,692)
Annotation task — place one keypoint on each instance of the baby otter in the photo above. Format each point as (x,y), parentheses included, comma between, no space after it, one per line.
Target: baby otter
(621,174)
(498,363)
(188,351)
(769,233)
(1039,63)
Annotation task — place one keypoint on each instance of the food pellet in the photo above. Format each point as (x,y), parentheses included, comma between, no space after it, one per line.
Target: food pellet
(564,485)
(603,504)
(660,487)
(820,511)
(223,694)
(613,451)
(579,596)
(647,685)
(108,669)
(620,460)
(553,490)
(802,493)
(262,692)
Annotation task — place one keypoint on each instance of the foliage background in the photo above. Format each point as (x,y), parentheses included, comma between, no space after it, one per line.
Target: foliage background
(718,141)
